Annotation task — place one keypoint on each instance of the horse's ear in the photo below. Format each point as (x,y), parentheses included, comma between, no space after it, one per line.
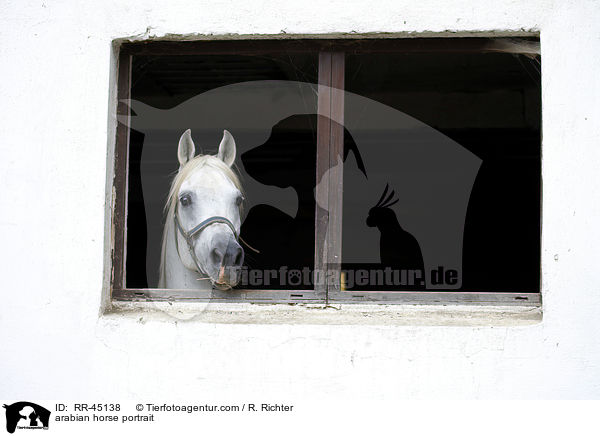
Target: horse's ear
(227,148)
(186,149)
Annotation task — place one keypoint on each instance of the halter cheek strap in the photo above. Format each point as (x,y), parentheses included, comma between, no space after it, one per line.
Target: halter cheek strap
(189,236)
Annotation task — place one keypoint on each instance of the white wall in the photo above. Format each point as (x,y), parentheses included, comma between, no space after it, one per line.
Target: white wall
(54,126)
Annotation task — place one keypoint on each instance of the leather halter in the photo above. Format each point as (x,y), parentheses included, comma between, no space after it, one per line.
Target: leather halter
(189,236)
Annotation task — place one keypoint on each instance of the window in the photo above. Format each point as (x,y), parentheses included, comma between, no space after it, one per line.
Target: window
(371,170)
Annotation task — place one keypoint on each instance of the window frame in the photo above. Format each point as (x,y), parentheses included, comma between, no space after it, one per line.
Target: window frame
(330,140)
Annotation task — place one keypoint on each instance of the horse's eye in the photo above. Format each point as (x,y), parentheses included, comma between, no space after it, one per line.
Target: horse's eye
(185,200)
(239,200)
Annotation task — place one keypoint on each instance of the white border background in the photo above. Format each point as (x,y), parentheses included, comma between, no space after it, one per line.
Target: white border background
(56,88)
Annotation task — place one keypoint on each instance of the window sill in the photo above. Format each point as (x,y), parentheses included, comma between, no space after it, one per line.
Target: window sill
(335,314)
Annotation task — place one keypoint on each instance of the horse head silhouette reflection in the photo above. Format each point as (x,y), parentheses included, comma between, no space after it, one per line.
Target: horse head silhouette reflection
(398,249)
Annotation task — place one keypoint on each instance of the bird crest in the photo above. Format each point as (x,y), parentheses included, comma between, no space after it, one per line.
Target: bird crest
(388,201)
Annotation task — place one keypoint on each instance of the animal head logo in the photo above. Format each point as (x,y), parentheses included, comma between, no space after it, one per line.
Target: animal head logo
(381,211)
(26,415)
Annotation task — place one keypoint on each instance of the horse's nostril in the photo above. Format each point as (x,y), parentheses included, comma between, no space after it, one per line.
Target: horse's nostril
(239,258)
(216,256)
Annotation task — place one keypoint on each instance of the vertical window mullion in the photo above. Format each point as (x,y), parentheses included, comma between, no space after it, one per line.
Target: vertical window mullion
(119,224)
(329,188)
(322,182)
(336,173)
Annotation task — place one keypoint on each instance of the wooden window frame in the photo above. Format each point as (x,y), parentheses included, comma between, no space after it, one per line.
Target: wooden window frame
(328,225)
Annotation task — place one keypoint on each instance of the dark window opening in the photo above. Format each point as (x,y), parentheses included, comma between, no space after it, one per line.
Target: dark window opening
(488,103)
(383,165)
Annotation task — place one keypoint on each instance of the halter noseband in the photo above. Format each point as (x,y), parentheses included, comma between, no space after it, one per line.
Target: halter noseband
(189,236)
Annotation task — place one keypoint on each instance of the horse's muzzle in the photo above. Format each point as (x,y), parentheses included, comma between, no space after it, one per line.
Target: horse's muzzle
(227,258)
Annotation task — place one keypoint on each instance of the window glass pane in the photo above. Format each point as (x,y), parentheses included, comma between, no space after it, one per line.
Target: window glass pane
(267,102)
(455,138)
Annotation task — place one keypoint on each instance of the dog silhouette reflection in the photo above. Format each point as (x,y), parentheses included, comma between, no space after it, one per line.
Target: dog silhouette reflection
(287,159)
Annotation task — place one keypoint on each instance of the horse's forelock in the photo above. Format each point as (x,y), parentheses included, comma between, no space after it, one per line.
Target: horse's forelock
(195,163)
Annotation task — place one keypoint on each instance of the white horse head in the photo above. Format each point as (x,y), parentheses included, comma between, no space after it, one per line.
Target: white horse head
(200,239)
